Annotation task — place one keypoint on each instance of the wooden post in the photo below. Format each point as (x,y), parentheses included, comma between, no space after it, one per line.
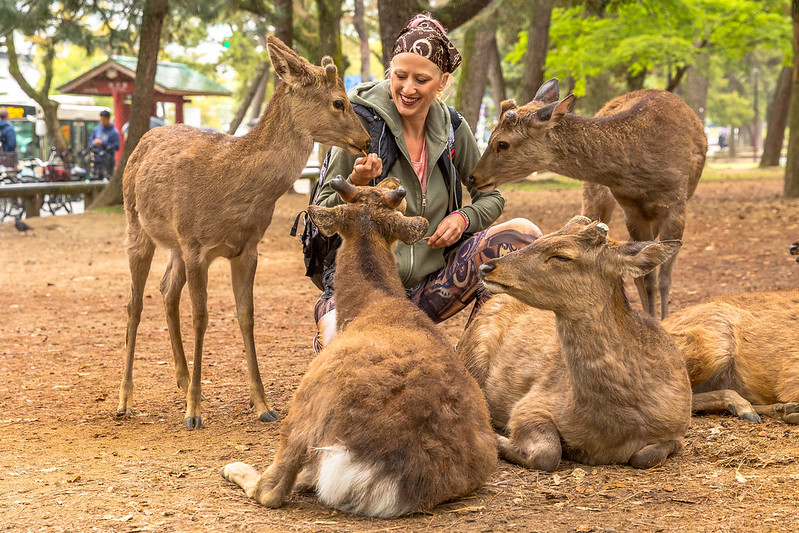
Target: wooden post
(33,204)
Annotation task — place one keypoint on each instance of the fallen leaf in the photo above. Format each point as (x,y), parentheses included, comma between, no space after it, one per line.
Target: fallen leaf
(556,479)
(739,478)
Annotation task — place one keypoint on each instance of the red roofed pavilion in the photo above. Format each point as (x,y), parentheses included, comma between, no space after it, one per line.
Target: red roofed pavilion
(115,77)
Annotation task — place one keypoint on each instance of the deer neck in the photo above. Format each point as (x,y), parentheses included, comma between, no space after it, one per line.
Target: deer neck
(596,342)
(589,149)
(278,146)
(366,273)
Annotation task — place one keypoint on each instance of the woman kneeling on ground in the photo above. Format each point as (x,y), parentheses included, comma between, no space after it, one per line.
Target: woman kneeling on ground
(439,272)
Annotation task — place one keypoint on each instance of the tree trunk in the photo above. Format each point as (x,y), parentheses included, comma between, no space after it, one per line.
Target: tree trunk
(395,14)
(733,144)
(284,25)
(535,57)
(777,120)
(495,76)
(695,87)
(329,16)
(474,73)
(792,167)
(363,36)
(248,98)
(636,81)
(49,107)
(153,15)
(260,95)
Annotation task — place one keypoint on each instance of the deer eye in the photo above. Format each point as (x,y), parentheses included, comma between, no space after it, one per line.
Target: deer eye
(560,258)
(502,145)
(338,104)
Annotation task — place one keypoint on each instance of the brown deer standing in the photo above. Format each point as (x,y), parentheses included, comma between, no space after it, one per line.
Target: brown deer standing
(206,195)
(387,420)
(646,149)
(740,349)
(601,383)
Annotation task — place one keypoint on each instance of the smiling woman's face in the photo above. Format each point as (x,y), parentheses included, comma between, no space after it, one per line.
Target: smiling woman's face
(414,84)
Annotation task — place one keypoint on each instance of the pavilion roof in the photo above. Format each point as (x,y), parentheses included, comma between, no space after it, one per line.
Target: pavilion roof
(170,78)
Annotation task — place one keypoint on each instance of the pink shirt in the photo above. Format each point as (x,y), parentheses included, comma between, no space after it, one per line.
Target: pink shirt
(420,167)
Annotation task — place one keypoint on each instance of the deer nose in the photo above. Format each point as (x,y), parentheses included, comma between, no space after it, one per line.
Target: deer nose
(486,269)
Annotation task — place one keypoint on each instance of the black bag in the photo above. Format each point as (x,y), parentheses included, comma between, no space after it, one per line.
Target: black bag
(319,251)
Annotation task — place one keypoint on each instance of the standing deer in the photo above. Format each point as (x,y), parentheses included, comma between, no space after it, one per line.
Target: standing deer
(646,149)
(206,195)
(387,421)
(740,349)
(600,384)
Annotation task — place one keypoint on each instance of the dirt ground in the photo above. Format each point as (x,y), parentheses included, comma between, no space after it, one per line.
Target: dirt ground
(66,462)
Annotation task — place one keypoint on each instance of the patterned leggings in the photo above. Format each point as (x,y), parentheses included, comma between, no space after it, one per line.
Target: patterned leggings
(446,292)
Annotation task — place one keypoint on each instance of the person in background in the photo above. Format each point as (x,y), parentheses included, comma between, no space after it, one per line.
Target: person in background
(8,137)
(105,140)
(440,272)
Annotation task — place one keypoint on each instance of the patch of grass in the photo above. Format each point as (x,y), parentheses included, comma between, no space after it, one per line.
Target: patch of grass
(118,209)
(546,182)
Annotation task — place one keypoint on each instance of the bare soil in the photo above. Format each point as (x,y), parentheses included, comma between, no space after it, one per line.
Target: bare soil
(67,463)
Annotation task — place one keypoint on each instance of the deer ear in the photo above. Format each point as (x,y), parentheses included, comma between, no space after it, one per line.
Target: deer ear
(553,112)
(325,218)
(408,229)
(641,257)
(289,66)
(548,92)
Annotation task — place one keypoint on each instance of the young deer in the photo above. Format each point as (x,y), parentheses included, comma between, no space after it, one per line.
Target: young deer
(387,421)
(646,149)
(206,195)
(601,383)
(740,349)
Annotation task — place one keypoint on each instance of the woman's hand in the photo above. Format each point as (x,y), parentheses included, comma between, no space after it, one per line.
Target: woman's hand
(448,231)
(366,169)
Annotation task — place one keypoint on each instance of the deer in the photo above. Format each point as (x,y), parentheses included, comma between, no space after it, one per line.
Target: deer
(568,367)
(645,150)
(207,195)
(387,421)
(742,354)
(795,250)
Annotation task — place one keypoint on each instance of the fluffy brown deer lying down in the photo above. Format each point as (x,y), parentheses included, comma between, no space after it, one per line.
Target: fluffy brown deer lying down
(601,383)
(646,149)
(387,420)
(207,195)
(740,349)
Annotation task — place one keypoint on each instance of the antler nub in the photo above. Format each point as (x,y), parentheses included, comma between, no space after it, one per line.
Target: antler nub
(330,68)
(346,190)
(394,197)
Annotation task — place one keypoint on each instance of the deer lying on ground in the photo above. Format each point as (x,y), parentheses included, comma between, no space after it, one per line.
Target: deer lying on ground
(646,149)
(387,421)
(740,349)
(601,383)
(206,195)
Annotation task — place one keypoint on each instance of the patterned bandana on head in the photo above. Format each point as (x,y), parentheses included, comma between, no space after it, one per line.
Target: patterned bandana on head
(424,36)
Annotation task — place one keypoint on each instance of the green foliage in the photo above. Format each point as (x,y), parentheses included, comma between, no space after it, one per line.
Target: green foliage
(730,109)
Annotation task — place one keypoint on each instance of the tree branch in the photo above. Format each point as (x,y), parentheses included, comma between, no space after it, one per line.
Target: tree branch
(457,12)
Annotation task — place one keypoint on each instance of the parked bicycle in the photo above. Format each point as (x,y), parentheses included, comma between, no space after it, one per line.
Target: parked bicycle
(98,163)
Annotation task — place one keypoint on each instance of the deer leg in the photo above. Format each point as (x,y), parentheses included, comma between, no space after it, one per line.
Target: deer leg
(197,276)
(641,229)
(242,270)
(671,229)
(652,455)
(171,287)
(534,440)
(140,257)
(273,487)
(598,202)
(725,400)
(788,412)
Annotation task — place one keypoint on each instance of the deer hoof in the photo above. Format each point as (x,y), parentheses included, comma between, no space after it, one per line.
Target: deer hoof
(193,422)
(269,416)
(792,418)
(123,412)
(752,417)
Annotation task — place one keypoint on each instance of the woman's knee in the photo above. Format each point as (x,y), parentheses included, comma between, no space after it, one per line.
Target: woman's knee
(522,225)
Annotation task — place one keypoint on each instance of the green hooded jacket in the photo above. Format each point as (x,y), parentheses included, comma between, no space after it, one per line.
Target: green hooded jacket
(416,261)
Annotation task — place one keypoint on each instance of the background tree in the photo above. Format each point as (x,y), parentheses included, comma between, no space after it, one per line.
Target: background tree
(537,46)
(792,167)
(153,14)
(777,119)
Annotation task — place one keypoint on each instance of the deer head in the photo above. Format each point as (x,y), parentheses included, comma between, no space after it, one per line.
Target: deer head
(519,145)
(573,268)
(322,105)
(369,211)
